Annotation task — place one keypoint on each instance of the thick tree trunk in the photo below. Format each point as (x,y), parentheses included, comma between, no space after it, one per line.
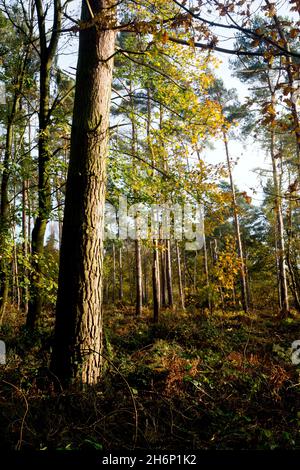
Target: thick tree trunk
(78,343)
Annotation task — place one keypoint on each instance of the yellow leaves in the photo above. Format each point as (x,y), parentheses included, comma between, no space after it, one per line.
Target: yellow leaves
(228,265)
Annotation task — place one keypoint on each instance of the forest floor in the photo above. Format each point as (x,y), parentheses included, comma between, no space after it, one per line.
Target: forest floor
(224,381)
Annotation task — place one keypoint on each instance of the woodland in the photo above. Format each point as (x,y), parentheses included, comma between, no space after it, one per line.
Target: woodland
(176,330)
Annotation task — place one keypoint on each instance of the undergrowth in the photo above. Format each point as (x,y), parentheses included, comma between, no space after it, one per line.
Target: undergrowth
(224,381)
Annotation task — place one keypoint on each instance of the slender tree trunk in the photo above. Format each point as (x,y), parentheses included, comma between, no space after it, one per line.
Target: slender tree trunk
(78,342)
(114,273)
(169,273)
(237,229)
(180,287)
(283,286)
(59,209)
(24,244)
(145,289)
(139,278)
(195,272)
(206,272)
(163,278)
(137,243)
(121,294)
(4,218)
(155,282)
(47,53)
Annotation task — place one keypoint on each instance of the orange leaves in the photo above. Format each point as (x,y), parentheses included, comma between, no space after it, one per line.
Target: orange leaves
(247,198)
(164,37)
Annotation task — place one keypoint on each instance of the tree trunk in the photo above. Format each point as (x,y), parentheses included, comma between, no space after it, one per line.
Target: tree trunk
(77,352)
(120,275)
(180,287)
(137,243)
(4,219)
(24,244)
(163,278)
(206,272)
(47,53)
(283,287)
(139,278)
(155,282)
(237,229)
(114,273)
(168,259)
(145,287)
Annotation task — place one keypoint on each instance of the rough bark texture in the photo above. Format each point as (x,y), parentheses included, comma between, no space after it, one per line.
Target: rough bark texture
(78,332)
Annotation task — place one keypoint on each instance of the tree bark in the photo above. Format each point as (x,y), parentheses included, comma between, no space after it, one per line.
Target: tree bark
(77,352)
